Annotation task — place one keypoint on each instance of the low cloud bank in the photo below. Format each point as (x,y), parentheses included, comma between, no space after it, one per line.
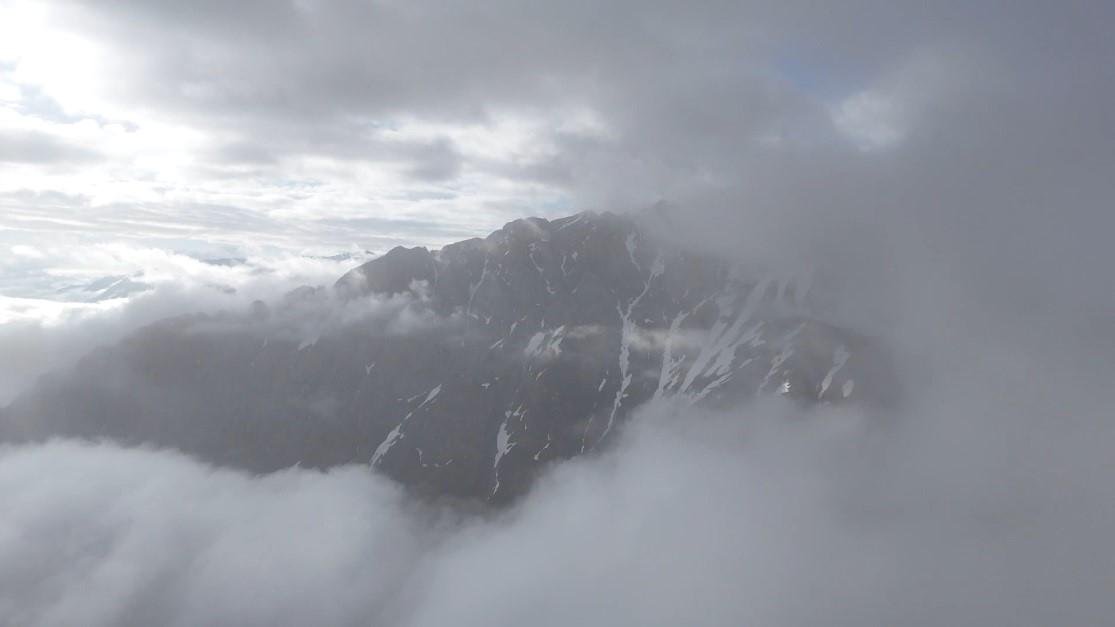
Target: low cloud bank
(959,512)
(42,333)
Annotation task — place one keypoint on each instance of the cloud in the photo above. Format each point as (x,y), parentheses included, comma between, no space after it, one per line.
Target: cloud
(45,326)
(767,515)
(972,237)
(868,120)
(41,149)
(309,114)
(161,545)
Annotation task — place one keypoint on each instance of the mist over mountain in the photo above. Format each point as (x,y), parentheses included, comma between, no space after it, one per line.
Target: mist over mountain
(832,345)
(463,371)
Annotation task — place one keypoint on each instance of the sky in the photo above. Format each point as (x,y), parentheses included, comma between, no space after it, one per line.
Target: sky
(881,139)
(272,129)
(261,129)
(946,167)
(255,129)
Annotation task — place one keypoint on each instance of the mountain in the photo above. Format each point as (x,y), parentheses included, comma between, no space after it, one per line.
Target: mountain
(102,289)
(462,371)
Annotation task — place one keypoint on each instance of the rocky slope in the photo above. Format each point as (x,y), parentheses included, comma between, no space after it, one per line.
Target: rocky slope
(464,370)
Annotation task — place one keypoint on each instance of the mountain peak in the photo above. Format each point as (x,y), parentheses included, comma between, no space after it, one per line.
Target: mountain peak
(392,273)
(537,343)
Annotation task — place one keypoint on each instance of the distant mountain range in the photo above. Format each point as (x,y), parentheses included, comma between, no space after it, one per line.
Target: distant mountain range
(102,289)
(475,365)
(124,286)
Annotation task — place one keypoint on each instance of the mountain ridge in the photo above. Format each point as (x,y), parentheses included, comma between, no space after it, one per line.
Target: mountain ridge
(480,363)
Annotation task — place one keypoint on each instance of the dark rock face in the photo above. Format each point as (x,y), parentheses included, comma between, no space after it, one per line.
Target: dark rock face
(494,357)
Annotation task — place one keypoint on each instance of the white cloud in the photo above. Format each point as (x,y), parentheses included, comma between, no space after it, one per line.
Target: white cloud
(27,251)
(752,517)
(46,326)
(869,120)
(131,536)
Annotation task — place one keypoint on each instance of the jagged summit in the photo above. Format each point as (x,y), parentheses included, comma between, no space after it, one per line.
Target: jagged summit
(392,273)
(537,343)
(395,270)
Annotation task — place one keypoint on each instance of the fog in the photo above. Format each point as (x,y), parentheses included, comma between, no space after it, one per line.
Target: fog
(945,171)
(768,515)
(40,334)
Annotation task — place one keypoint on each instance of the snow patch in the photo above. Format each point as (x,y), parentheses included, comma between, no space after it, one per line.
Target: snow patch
(388,442)
(629,330)
(848,387)
(839,358)
(629,243)
(545,344)
(671,366)
(535,344)
(503,445)
(431,395)
(719,353)
(473,289)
